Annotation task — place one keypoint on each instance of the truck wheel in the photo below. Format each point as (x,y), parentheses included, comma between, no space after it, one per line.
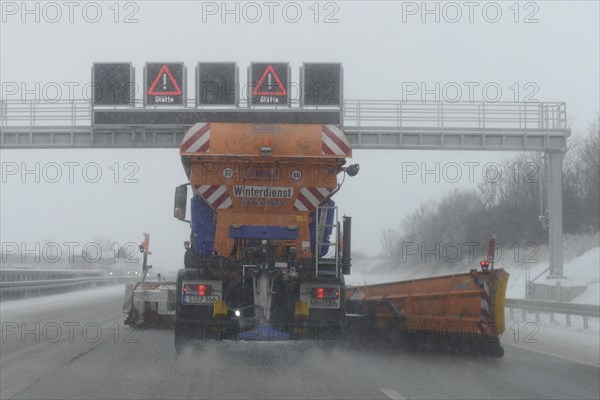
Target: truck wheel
(496,351)
(181,337)
(180,328)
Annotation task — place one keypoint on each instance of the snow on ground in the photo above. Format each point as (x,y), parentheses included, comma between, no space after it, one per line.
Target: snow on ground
(573,342)
(583,270)
(580,271)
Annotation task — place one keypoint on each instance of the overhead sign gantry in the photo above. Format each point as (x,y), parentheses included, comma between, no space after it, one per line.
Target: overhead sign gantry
(368,124)
(268,90)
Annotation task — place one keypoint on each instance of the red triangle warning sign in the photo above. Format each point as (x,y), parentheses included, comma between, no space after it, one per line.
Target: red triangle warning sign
(167,85)
(270,87)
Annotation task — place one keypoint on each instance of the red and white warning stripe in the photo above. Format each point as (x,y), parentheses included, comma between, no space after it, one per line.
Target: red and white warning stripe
(334,141)
(485,307)
(310,197)
(196,139)
(216,196)
(492,249)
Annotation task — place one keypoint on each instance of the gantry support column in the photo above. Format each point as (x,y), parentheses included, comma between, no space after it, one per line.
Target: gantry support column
(555,194)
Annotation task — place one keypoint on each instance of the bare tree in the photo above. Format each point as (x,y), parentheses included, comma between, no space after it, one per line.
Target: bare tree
(509,206)
(390,239)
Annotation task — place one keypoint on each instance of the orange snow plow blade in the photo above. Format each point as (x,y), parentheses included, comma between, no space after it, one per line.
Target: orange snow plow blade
(466,306)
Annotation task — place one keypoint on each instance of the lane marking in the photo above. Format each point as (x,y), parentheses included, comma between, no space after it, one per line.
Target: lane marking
(17,388)
(392,394)
(551,354)
(26,381)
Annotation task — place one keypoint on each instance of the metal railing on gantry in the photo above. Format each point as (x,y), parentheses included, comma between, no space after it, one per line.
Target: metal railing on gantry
(369,124)
(461,126)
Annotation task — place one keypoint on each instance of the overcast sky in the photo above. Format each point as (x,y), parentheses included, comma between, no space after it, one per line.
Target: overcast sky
(382,45)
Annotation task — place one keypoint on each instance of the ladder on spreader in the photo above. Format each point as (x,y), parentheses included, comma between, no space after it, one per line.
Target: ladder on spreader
(328,263)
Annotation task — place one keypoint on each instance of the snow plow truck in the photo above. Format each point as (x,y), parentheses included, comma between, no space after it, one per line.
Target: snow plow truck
(268,251)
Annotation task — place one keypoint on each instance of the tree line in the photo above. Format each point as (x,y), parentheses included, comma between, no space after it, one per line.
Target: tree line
(510,207)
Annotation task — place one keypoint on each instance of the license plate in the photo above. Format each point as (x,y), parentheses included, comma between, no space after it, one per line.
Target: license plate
(324,303)
(195,299)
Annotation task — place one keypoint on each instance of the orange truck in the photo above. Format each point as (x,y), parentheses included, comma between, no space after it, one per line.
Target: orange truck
(267,252)
(266,258)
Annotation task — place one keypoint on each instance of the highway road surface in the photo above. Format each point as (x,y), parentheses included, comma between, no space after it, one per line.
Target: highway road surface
(75,346)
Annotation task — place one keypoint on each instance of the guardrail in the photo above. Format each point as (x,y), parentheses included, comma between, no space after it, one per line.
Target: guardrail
(16,284)
(568,309)
(26,274)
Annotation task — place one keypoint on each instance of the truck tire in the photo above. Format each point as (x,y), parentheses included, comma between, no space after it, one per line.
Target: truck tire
(183,337)
(180,328)
(179,338)
(496,351)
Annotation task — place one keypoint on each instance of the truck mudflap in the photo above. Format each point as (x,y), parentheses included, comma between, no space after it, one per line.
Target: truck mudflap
(464,310)
(150,305)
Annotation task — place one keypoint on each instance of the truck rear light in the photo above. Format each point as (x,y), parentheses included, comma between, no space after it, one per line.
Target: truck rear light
(200,290)
(204,290)
(325,293)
